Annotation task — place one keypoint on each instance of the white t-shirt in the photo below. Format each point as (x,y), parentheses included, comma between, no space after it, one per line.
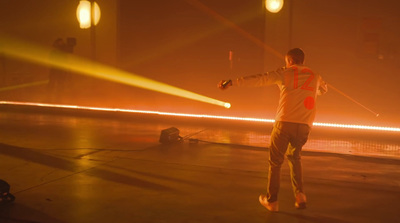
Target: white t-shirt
(299,87)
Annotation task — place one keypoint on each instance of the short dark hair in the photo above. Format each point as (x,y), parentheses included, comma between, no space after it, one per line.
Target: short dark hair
(297,55)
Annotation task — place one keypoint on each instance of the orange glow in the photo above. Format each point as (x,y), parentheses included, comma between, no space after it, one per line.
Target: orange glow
(271,5)
(247,119)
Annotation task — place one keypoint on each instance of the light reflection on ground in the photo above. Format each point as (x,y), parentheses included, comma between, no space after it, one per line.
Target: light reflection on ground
(351,146)
(98,132)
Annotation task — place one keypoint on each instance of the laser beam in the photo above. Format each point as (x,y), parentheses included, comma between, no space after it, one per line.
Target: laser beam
(33,53)
(353,100)
(32,84)
(199,5)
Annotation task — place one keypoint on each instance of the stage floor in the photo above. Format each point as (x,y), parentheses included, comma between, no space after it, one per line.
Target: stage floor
(92,167)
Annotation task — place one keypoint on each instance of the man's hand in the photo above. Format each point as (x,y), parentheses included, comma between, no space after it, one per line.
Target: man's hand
(224,84)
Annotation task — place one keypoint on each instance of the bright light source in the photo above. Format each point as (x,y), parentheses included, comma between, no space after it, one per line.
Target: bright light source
(273,6)
(84,14)
(227,105)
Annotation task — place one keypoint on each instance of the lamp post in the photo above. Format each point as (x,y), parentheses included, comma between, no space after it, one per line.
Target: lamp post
(290,23)
(88,15)
(274,6)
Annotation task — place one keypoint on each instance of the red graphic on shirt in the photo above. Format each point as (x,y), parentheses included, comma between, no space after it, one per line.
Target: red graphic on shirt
(309,102)
(310,78)
(306,84)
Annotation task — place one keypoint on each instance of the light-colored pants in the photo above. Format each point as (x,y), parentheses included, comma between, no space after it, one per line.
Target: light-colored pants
(286,138)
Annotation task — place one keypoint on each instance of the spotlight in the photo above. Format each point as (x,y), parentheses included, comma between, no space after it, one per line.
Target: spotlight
(25,51)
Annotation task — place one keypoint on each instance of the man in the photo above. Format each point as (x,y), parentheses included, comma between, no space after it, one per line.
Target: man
(57,76)
(299,87)
(57,55)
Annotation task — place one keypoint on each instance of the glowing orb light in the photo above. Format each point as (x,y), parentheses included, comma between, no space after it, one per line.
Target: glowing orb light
(84,14)
(273,6)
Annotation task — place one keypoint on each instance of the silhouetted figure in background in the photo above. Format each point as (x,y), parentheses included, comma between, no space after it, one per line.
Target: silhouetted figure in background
(58,76)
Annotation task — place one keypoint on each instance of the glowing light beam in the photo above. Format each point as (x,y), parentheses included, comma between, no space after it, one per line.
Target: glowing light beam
(247,119)
(40,55)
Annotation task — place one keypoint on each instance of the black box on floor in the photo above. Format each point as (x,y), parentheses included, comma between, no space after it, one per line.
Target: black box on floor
(5,195)
(170,135)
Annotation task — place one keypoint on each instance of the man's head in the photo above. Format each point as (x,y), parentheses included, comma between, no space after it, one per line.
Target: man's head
(294,56)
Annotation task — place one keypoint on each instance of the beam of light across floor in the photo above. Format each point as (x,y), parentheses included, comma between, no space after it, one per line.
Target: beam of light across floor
(40,55)
(249,119)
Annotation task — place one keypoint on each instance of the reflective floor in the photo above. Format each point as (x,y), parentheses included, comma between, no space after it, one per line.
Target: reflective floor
(67,166)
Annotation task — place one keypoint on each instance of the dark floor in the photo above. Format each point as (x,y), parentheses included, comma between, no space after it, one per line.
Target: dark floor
(90,167)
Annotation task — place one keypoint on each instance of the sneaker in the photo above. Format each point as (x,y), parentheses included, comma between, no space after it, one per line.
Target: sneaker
(273,206)
(301,201)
